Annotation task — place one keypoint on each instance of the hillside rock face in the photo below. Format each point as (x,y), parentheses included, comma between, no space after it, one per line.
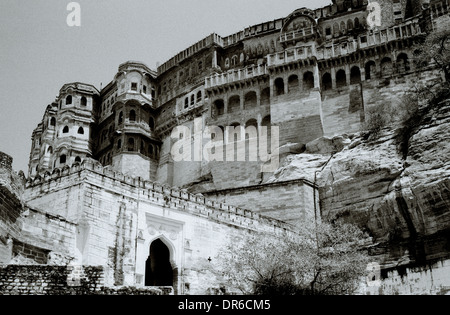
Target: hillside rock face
(401,197)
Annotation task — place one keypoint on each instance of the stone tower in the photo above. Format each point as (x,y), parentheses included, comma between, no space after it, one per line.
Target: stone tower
(126,138)
(64,135)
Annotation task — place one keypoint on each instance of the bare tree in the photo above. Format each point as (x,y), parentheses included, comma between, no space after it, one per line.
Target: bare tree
(327,259)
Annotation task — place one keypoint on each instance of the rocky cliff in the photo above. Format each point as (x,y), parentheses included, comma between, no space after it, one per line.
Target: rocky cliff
(396,186)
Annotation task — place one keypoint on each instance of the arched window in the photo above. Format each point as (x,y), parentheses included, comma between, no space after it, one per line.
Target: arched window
(132,115)
(62,159)
(341,78)
(355,75)
(343,26)
(120,118)
(250,100)
(357,23)
(265,96)
(199,96)
(336,30)
(81,131)
(50,150)
(402,63)
(308,80)
(186,102)
(219,108)
(349,25)
(234,103)
(53,121)
(83,101)
(77,159)
(293,83)
(386,67)
(279,86)
(130,144)
(66,129)
(69,99)
(192,99)
(327,83)
(142,148)
(151,123)
(119,144)
(370,69)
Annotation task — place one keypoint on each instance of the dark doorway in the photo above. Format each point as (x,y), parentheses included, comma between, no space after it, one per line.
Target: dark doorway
(158,270)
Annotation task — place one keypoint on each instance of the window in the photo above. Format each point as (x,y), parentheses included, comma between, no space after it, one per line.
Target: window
(120,118)
(81,131)
(199,96)
(142,149)
(132,116)
(186,102)
(328,31)
(151,123)
(50,150)
(77,159)
(134,86)
(83,101)
(341,78)
(279,86)
(130,144)
(327,82)
(355,75)
(119,144)
(62,159)
(144,88)
(68,100)
(53,121)
(66,129)
(219,108)
(192,99)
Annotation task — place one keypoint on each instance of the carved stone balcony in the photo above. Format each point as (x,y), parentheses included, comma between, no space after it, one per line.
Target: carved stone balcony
(235,75)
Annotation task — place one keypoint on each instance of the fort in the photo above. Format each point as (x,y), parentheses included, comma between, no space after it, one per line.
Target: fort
(103,187)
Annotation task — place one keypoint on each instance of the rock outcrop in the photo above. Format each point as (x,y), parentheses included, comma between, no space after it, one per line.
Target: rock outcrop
(396,188)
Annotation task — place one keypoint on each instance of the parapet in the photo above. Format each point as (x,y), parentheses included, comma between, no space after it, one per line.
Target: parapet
(166,196)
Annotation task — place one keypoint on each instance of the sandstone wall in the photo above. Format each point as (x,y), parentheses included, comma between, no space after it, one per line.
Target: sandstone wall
(404,203)
(63,280)
(291,202)
(118,218)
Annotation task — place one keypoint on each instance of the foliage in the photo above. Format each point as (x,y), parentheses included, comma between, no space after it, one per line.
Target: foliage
(325,260)
(436,49)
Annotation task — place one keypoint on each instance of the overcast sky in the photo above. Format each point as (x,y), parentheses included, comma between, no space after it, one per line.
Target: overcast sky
(39,52)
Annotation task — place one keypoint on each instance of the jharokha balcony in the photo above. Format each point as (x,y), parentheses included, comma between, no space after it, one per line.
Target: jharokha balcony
(235,75)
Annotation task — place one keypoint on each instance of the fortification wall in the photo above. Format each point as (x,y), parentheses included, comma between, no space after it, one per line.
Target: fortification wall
(64,280)
(290,202)
(116,211)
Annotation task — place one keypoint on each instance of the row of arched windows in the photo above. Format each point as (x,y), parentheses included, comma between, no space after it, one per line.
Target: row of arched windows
(343,27)
(293,83)
(193,99)
(69,101)
(63,159)
(132,119)
(145,149)
(386,69)
(80,130)
(250,100)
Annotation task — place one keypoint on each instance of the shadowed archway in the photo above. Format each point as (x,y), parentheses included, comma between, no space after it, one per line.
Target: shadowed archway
(158,269)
